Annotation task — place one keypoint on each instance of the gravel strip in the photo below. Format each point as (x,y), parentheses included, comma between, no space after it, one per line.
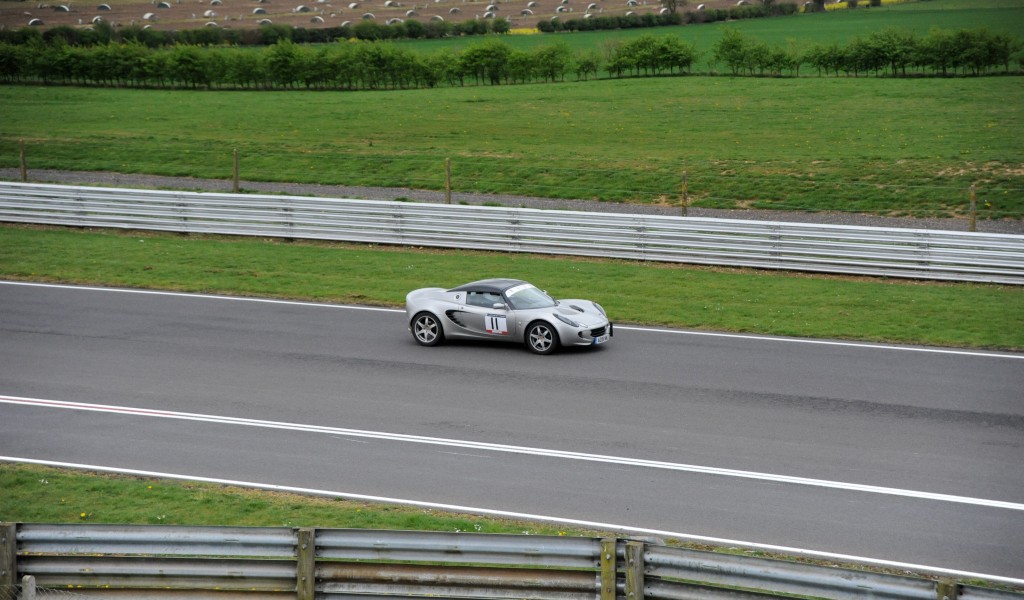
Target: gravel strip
(105,179)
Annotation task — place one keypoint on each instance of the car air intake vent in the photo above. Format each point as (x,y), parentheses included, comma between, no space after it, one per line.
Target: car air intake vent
(576,308)
(597,332)
(455,316)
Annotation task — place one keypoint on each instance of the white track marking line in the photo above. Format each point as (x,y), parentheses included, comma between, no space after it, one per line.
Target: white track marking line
(523,450)
(532,517)
(203,296)
(765,338)
(619,327)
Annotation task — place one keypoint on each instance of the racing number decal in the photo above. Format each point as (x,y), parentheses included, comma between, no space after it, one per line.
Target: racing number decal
(497,324)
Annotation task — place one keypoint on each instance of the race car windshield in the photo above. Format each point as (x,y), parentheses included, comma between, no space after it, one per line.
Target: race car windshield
(527,297)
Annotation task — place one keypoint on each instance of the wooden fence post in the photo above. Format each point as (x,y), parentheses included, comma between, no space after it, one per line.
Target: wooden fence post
(21,158)
(974,211)
(685,200)
(947,589)
(235,179)
(608,568)
(634,570)
(447,181)
(8,554)
(305,571)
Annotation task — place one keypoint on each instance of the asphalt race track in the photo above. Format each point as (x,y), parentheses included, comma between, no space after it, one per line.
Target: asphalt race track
(901,454)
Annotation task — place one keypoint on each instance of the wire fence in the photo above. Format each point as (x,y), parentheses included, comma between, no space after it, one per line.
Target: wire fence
(29,591)
(907,188)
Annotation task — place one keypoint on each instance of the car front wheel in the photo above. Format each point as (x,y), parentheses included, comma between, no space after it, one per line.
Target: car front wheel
(426,329)
(541,338)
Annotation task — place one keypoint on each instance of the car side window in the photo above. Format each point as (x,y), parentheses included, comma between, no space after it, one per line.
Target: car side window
(484,299)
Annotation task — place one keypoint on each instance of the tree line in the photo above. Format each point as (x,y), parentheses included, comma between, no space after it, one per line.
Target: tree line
(894,52)
(383,65)
(350,66)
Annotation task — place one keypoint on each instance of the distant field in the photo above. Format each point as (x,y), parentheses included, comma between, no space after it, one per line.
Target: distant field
(804,29)
(874,145)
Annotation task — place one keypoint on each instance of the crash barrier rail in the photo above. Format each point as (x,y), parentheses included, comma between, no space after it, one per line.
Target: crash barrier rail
(251,563)
(891,252)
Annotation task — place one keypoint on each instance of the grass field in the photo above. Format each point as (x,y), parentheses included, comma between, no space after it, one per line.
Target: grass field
(983,316)
(889,146)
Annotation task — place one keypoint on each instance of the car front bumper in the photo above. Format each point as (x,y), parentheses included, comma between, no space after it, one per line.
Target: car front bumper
(590,337)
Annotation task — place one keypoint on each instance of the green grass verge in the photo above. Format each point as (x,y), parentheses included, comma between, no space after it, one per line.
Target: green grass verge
(942,314)
(904,147)
(37,494)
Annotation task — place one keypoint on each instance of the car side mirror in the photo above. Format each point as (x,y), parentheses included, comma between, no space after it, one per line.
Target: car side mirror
(499,305)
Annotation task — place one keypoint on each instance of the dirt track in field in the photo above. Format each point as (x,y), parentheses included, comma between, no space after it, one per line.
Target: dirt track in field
(248,14)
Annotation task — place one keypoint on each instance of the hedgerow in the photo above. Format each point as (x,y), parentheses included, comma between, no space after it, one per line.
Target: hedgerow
(382,65)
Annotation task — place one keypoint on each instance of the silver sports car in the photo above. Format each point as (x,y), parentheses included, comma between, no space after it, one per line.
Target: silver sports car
(505,309)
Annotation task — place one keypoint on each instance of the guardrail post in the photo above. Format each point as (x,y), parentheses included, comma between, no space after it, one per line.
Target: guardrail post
(634,570)
(305,570)
(608,568)
(947,589)
(8,554)
(183,211)
(289,219)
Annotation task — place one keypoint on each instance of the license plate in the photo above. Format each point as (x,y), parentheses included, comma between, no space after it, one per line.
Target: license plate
(601,339)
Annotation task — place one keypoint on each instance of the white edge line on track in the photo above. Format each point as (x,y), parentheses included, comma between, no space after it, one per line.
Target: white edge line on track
(531,517)
(621,327)
(509,449)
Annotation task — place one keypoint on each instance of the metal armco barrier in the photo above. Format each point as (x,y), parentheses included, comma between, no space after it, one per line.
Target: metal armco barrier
(253,563)
(889,252)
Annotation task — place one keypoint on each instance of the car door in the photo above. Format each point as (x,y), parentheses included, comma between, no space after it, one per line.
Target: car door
(481,317)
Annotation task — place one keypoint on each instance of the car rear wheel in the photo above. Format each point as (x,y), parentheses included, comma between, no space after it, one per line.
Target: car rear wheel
(541,338)
(426,329)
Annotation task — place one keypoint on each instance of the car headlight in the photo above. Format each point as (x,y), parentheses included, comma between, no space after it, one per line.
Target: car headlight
(599,308)
(567,321)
